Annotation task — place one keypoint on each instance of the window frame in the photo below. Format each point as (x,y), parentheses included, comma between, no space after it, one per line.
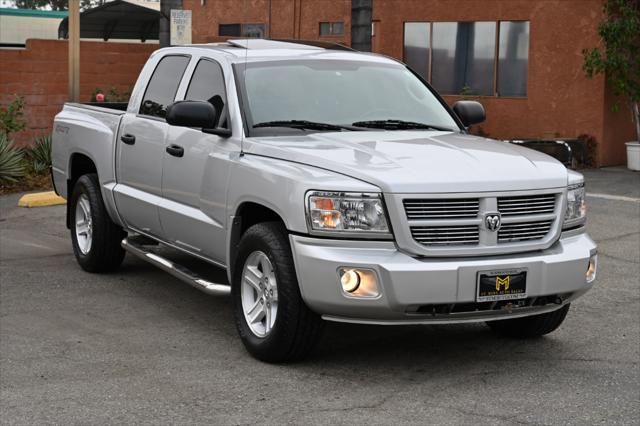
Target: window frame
(243,27)
(331,33)
(496,59)
(247,118)
(146,88)
(224,115)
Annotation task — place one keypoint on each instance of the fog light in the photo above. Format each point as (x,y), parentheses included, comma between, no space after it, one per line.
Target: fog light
(358,282)
(592,268)
(350,280)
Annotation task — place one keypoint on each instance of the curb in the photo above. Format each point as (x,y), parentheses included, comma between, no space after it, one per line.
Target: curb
(41,199)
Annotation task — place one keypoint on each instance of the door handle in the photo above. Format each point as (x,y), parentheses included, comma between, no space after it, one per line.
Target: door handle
(128,139)
(175,150)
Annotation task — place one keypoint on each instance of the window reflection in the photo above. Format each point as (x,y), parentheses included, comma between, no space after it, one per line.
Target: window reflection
(460,57)
(513,62)
(463,57)
(416,47)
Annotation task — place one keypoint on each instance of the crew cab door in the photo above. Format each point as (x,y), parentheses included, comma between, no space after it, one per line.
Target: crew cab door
(195,172)
(141,148)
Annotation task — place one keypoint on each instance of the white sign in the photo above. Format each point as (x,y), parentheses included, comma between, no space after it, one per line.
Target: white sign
(180,27)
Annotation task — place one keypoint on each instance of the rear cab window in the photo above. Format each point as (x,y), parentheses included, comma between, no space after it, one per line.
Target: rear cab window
(163,85)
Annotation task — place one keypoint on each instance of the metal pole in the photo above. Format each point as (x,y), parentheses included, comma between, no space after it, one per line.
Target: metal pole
(361,16)
(74,50)
(165,24)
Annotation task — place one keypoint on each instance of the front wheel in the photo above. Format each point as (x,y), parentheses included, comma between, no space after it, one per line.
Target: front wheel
(273,321)
(533,326)
(95,238)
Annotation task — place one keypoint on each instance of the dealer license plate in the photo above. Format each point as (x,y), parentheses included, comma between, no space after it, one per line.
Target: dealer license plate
(502,285)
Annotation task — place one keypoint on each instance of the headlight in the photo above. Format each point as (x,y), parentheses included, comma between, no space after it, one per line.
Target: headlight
(576,213)
(347,214)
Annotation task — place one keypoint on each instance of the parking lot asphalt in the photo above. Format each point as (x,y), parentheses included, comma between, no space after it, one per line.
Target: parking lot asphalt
(139,346)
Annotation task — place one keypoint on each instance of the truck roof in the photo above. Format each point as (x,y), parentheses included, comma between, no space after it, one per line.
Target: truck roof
(253,50)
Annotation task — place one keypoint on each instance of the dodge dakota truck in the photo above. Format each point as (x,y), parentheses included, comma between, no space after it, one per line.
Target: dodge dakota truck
(328,185)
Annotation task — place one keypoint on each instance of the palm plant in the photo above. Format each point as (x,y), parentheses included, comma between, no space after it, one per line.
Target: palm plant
(11,164)
(39,156)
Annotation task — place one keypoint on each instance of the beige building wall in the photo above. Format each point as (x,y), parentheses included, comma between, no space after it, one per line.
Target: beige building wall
(17,29)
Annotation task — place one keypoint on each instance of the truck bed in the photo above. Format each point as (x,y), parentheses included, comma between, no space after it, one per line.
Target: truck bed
(86,129)
(110,107)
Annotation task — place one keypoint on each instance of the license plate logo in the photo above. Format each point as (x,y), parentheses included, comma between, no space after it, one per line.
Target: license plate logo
(503,285)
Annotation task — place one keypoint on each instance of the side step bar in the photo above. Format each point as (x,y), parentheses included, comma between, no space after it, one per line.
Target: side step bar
(176,270)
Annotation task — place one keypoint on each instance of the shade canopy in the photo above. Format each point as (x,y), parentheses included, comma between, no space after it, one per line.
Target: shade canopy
(117,19)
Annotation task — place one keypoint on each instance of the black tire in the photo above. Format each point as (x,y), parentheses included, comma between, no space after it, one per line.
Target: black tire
(529,327)
(105,253)
(296,329)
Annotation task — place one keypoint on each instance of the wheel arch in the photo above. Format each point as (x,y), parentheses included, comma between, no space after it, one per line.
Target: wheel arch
(247,214)
(79,164)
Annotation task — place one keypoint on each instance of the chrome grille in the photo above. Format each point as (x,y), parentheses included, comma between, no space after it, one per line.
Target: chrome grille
(418,209)
(524,231)
(445,235)
(455,224)
(526,205)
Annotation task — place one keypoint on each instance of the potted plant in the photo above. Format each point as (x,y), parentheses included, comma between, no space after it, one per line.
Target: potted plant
(619,60)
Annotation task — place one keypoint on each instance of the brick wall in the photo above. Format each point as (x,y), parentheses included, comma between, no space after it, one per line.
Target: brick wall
(561,102)
(283,19)
(39,74)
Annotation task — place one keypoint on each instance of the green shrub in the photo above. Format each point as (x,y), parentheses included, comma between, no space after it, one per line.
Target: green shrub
(39,157)
(11,161)
(11,117)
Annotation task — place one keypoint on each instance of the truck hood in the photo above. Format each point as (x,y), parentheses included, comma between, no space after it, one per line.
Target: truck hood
(418,161)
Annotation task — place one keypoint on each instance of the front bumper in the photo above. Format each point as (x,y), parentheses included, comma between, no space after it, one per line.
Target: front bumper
(410,286)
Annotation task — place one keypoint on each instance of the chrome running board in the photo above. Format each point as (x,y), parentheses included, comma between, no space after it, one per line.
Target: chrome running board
(175,269)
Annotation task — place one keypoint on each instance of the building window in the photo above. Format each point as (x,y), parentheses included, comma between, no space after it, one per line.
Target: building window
(417,42)
(513,59)
(242,30)
(331,28)
(230,30)
(463,57)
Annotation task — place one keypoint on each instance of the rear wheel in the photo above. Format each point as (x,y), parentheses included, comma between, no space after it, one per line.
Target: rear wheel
(533,326)
(273,322)
(95,238)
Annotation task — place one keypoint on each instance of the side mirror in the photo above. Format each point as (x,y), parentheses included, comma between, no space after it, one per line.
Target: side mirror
(469,112)
(191,114)
(200,114)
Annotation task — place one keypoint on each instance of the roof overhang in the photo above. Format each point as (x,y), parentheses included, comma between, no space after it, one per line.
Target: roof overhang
(117,19)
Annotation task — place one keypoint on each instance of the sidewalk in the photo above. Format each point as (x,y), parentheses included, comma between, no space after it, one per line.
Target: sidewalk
(618,181)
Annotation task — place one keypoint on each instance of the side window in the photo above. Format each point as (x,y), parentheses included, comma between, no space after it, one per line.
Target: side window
(162,88)
(207,84)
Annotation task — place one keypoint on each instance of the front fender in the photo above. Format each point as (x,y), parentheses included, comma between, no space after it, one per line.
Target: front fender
(281,186)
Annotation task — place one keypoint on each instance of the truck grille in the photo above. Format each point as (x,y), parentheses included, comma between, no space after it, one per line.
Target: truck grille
(441,209)
(451,225)
(525,231)
(526,205)
(446,235)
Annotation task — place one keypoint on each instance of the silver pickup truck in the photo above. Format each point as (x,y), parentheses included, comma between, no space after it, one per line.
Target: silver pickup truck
(329,185)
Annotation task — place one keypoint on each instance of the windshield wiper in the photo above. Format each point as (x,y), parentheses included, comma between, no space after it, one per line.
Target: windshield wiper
(398,125)
(303,124)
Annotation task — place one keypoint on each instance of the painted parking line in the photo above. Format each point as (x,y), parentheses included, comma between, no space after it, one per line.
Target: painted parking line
(613,197)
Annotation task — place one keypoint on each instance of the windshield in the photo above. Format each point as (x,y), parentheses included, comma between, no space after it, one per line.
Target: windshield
(338,93)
